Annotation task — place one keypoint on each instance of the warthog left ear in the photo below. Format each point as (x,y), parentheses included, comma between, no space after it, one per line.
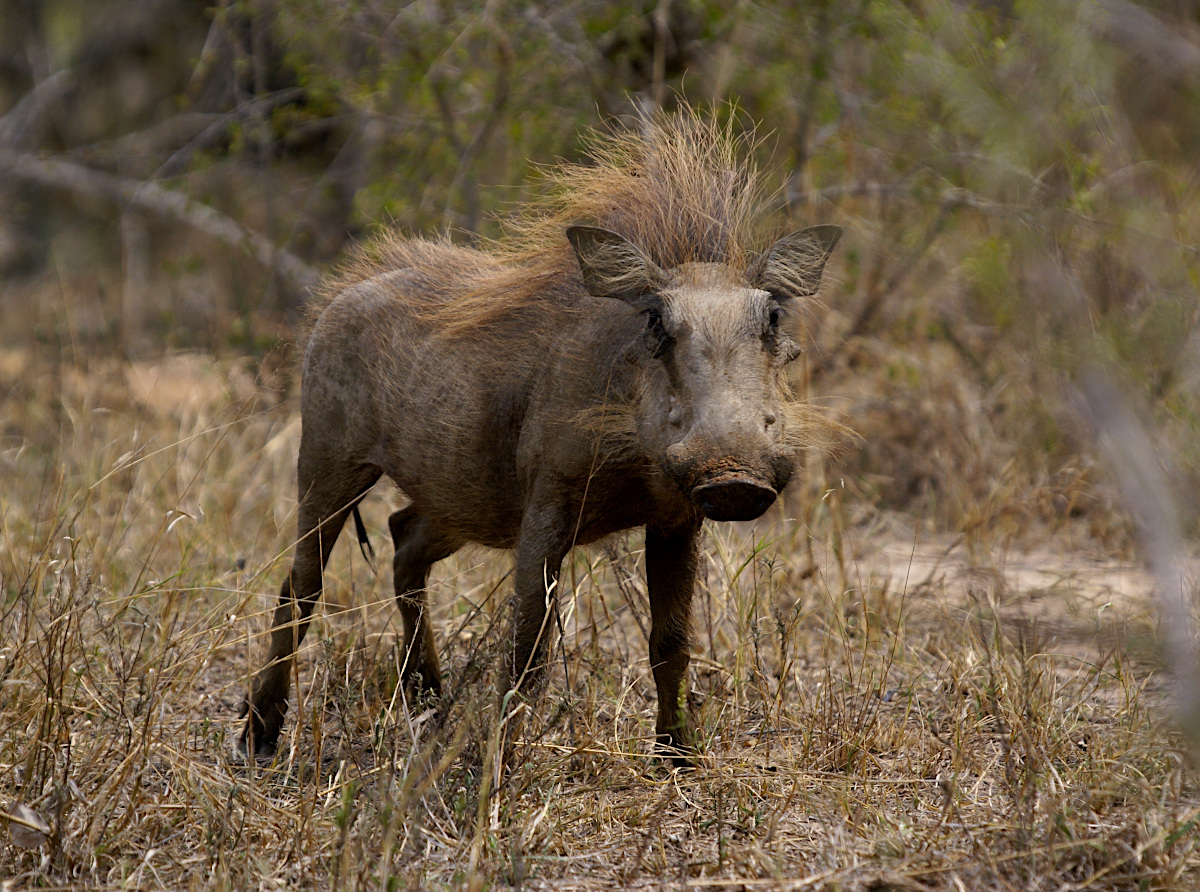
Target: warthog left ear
(792,266)
(613,266)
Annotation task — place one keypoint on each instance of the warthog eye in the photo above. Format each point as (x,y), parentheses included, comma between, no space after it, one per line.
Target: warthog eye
(777,341)
(775,313)
(660,341)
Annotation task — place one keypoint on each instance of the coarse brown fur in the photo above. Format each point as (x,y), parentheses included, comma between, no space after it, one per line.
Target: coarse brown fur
(617,361)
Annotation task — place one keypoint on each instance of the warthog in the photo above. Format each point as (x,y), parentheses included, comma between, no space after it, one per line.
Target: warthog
(617,362)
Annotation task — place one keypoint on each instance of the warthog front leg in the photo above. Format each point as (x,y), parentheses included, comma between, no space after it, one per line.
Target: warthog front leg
(671,559)
(418,547)
(544,541)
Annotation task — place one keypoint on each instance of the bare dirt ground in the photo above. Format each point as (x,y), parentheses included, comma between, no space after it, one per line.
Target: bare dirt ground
(1078,596)
(881,708)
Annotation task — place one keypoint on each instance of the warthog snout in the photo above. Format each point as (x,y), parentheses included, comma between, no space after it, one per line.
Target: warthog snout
(735,497)
(725,487)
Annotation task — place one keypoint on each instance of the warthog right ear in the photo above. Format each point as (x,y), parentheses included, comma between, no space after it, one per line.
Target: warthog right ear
(792,266)
(612,265)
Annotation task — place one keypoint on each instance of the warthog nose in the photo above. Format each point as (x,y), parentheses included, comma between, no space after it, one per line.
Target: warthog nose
(733,498)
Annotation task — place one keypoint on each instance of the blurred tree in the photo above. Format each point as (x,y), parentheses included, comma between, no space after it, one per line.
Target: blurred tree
(963,143)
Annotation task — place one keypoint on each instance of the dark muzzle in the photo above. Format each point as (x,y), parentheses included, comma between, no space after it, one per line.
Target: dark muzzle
(733,498)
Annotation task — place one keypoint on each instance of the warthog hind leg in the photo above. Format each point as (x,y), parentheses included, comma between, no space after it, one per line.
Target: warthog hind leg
(327,498)
(418,547)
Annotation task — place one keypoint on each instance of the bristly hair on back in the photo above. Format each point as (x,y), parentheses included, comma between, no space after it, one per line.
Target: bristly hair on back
(681,186)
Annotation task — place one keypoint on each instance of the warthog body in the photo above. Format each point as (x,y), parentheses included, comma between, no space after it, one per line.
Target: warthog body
(618,363)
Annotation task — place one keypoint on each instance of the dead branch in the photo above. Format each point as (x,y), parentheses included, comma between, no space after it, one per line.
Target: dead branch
(16,125)
(483,132)
(254,108)
(154,199)
(879,295)
(1142,34)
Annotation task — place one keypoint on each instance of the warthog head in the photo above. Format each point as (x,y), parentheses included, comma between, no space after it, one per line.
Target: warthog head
(715,412)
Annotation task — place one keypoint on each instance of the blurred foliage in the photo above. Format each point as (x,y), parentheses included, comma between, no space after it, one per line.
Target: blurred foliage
(968,147)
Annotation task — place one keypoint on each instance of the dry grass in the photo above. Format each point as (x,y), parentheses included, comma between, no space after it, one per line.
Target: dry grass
(930,723)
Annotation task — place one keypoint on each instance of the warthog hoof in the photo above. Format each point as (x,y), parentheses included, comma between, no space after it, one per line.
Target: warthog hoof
(420,687)
(257,734)
(677,747)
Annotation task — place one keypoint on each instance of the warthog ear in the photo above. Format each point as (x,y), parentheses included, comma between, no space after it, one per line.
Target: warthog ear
(792,266)
(613,266)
